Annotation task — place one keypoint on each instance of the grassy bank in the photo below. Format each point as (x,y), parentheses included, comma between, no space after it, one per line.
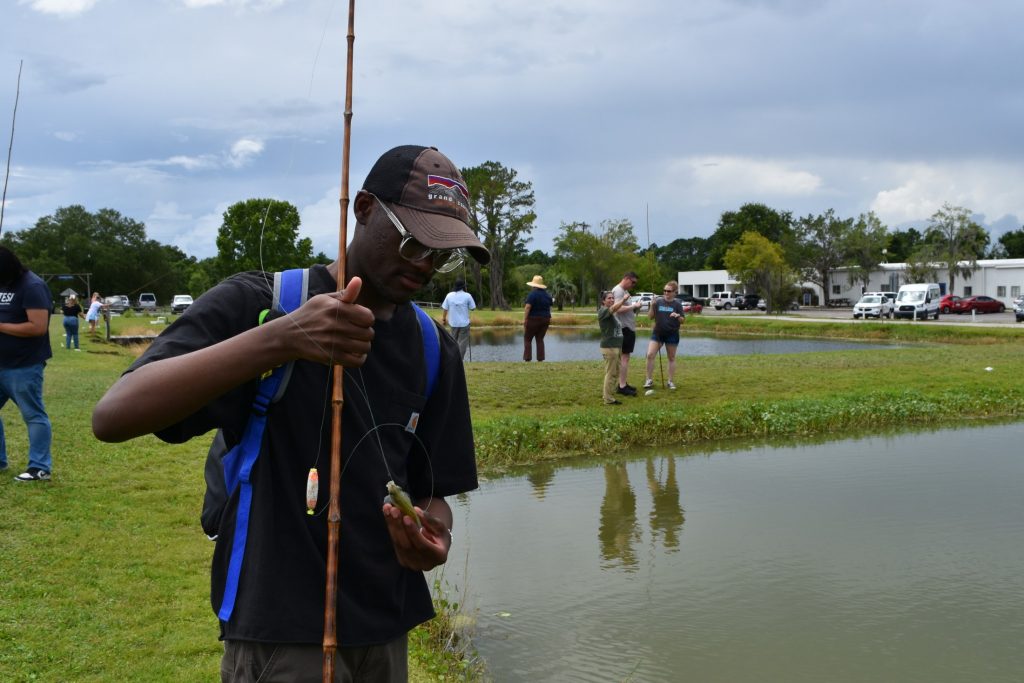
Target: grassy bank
(106,570)
(529,412)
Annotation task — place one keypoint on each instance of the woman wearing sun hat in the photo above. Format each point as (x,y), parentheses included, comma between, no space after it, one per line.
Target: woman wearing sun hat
(536,318)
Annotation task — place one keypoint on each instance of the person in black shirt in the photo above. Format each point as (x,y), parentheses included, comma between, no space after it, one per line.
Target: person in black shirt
(72,312)
(201,374)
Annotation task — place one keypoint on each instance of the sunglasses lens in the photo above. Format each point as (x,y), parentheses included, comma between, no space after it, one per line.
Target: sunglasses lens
(446,262)
(411,250)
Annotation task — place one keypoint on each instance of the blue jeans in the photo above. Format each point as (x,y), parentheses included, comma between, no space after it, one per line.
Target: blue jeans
(70,330)
(24,386)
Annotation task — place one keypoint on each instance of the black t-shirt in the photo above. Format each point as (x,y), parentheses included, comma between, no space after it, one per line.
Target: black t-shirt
(28,293)
(281,589)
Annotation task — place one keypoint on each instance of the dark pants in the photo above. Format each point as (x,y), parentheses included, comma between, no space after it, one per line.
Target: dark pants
(248,662)
(534,328)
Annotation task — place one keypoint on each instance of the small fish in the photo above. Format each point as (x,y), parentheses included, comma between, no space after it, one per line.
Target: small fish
(400,499)
(312,490)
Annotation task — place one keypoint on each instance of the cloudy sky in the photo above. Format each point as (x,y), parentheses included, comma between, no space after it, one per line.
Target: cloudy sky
(169,111)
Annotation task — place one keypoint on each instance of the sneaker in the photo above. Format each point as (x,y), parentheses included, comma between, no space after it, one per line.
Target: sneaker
(671,386)
(33,474)
(648,383)
(3,468)
(626,391)
(613,402)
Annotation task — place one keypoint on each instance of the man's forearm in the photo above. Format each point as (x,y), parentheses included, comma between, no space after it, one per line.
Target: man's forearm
(35,326)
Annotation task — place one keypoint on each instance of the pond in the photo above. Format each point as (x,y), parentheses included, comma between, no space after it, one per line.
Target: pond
(576,344)
(892,558)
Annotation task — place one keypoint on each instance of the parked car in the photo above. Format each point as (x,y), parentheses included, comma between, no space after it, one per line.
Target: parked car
(692,306)
(872,306)
(180,303)
(118,303)
(762,305)
(147,302)
(747,302)
(1018,312)
(950,303)
(644,299)
(720,300)
(982,304)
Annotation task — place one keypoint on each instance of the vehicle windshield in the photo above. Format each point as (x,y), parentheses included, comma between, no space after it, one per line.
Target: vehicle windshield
(871,300)
(911,297)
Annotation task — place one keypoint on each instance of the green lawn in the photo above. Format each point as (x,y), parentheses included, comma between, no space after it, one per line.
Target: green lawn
(105,569)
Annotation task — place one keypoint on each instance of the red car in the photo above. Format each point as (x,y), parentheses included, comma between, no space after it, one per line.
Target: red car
(982,304)
(692,307)
(950,303)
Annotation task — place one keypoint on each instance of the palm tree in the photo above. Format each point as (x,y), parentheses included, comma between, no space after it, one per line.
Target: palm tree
(561,289)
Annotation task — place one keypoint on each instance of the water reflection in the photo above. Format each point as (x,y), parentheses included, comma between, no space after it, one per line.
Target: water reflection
(540,478)
(618,530)
(886,558)
(667,515)
(506,345)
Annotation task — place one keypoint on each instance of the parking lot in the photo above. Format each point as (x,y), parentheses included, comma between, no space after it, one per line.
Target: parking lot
(846,315)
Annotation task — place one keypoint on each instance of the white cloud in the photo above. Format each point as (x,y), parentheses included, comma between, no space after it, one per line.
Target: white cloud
(168,224)
(62,8)
(719,178)
(243,152)
(65,136)
(916,191)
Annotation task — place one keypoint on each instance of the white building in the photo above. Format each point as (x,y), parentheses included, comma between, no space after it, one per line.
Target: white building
(1001,279)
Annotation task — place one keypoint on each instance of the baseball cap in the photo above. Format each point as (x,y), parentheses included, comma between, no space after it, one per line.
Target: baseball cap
(427,193)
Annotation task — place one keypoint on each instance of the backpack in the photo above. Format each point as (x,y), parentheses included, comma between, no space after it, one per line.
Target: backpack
(228,469)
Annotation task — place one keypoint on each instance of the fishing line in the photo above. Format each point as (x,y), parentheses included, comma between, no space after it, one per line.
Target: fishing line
(291,147)
(266,220)
(373,430)
(359,382)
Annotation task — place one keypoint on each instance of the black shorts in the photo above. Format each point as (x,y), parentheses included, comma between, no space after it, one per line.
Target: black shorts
(628,340)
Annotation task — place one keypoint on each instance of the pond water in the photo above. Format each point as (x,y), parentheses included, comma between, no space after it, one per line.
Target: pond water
(879,559)
(573,344)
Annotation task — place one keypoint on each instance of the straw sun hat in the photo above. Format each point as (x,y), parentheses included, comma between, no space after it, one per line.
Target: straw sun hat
(537,282)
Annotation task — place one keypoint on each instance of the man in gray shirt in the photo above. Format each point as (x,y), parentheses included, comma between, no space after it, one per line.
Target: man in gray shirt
(627,318)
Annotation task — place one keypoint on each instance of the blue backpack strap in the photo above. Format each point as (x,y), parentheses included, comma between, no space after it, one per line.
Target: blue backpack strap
(291,289)
(431,347)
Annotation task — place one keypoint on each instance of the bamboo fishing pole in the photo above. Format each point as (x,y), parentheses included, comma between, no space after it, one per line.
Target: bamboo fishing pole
(338,393)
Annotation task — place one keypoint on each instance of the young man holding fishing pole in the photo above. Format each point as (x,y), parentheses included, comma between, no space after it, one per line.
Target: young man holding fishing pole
(202,374)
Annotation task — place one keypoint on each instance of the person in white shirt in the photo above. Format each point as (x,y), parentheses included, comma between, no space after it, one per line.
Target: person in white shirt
(456,307)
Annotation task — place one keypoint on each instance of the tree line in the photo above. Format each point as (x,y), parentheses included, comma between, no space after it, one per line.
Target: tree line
(768,249)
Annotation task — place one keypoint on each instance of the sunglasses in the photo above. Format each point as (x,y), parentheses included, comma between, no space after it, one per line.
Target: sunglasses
(445,260)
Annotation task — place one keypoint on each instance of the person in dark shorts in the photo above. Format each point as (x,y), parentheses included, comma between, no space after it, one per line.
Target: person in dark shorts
(627,319)
(667,313)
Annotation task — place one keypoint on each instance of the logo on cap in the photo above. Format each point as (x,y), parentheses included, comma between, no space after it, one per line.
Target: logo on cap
(447,189)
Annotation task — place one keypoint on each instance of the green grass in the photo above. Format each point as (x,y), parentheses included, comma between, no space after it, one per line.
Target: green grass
(106,571)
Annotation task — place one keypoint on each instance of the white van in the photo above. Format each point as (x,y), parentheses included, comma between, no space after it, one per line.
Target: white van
(918,301)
